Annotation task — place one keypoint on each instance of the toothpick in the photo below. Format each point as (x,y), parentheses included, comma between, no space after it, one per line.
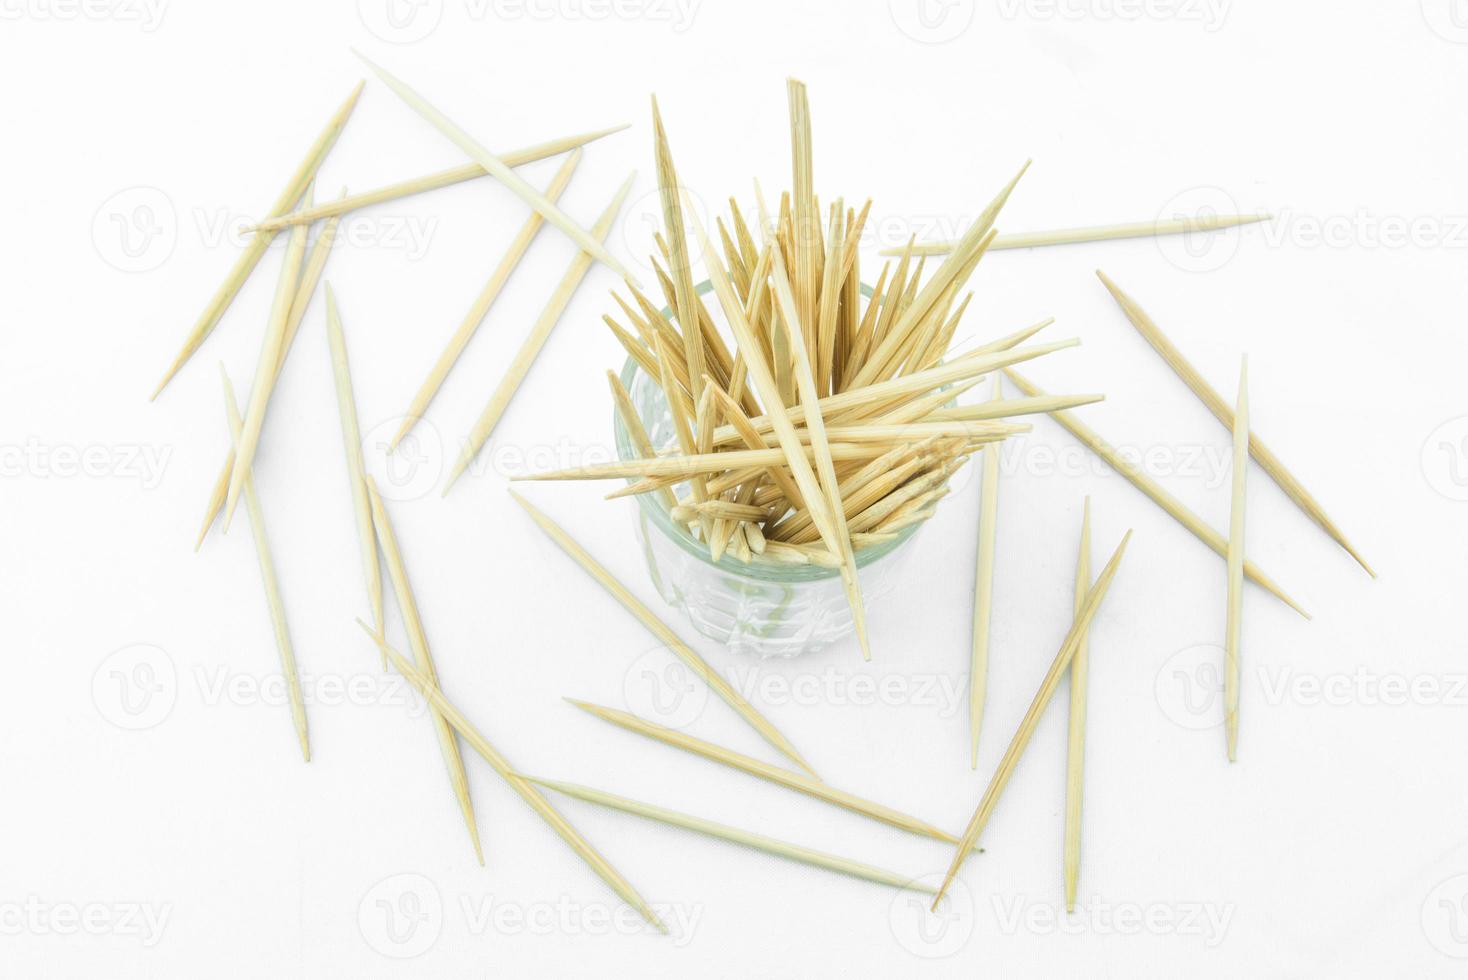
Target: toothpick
(686,466)
(1075,756)
(710,828)
(418,642)
(535,340)
(1027,725)
(255,251)
(272,586)
(1236,566)
(754,767)
(983,593)
(444,178)
(686,301)
(265,369)
(1143,482)
(973,240)
(665,634)
(589,242)
(1214,402)
(311,274)
(542,807)
(356,470)
(1101,233)
(641,441)
(479,309)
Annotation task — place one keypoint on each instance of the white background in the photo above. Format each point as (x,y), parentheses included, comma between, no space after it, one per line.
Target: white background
(136,137)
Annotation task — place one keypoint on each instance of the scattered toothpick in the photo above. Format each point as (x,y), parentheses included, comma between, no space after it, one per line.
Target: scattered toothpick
(444,178)
(283,643)
(711,828)
(1027,725)
(983,593)
(589,242)
(266,368)
(1213,401)
(480,308)
(1099,233)
(418,642)
(1236,566)
(664,633)
(1145,483)
(356,470)
(563,828)
(255,251)
(1075,754)
(539,332)
(763,770)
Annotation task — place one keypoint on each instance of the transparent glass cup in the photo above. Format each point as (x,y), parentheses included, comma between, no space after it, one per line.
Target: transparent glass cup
(760,608)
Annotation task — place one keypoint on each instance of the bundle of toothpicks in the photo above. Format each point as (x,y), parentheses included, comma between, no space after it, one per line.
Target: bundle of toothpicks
(830,425)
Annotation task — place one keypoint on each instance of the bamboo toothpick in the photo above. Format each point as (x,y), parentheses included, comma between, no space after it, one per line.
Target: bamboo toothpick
(255,251)
(479,309)
(589,242)
(310,275)
(535,340)
(1236,566)
(527,792)
(283,643)
(1027,725)
(983,594)
(711,828)
(1214,402)
(356,471)
(1075,755)
(444,178)
(1099,233)
(418,643)
(665,634)
(836,535)
(265,368)
(1145,483)
(763,770)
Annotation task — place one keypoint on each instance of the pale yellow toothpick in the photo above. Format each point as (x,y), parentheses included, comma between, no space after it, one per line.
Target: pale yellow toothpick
(527,792)
(664,633)
(539,332)
(482,303)
(418,642)
(1075,753)
(586,241)
(983,593)
(711,828)
(283,643)
(255,250)
(444,178)
(356,470)
(1213,401)
(1236,566)
(1031,719)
